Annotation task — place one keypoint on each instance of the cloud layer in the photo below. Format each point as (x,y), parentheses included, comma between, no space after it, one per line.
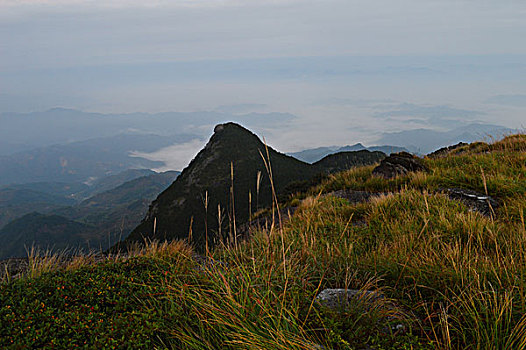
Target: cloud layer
(39,34)
(328,62)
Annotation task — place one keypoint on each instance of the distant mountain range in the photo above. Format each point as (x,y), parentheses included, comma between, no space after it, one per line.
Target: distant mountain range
(94,193)
(45,197)
(64,126)
(314,154)
(16,202)
(423,141)
(220,186)
(83,161)
(418,141)
(67,145)
(33,214)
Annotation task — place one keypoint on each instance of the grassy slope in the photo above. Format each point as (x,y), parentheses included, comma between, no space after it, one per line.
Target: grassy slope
(454,277)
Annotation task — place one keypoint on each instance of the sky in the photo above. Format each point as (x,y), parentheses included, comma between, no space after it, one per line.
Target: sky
(347,69)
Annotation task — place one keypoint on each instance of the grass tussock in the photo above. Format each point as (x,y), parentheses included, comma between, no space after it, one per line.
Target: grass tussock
(448,277)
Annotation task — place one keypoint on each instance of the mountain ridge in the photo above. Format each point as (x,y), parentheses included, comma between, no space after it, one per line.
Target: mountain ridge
(200,200)
(424,141)
(312,155)
(96,222)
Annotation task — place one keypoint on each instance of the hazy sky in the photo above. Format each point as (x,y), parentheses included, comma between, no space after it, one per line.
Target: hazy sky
(340,66)
(47,33)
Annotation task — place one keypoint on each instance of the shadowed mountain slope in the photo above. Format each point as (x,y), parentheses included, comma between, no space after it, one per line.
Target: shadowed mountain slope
(201,197)
(97,222)
(341,161)
(16,202)
(316,154)
(51,197)
(46,231)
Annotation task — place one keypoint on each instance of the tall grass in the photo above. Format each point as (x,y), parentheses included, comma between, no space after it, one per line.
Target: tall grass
(448,277)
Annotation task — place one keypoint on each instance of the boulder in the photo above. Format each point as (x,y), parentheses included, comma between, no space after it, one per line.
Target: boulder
(13,268)
(398,164)
(218,128)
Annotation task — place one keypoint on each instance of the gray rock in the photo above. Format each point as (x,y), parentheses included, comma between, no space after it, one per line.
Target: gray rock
(219,127)
(474,200)
(264,222)
(444,151)
(13,268)
(398,164)
(341,298)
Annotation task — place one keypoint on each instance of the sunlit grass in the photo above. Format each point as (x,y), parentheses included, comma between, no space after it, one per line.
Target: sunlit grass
(454,279)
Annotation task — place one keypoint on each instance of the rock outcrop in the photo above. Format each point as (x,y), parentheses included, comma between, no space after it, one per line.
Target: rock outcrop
(354,196)
(474,200)
(398,164)
(444,151)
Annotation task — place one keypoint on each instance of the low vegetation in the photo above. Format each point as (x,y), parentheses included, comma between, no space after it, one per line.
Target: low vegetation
(449,277)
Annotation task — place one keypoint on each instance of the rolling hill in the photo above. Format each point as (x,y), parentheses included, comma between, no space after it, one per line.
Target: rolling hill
(96,222)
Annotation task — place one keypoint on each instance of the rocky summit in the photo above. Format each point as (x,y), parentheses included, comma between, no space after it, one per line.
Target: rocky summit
(398,164)
(229,179)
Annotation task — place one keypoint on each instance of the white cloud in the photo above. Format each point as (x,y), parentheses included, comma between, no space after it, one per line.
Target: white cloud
(161,55)
(175,157)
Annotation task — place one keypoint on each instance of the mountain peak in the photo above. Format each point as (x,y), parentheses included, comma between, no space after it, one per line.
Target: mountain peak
(209,174)
(230,125)
(231,139)
(232,149)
